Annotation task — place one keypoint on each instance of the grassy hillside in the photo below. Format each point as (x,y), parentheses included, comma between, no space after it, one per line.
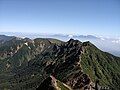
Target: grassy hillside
(101,66)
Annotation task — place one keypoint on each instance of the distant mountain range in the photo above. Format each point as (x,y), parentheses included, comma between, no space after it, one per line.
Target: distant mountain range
(52,64)
(111,45)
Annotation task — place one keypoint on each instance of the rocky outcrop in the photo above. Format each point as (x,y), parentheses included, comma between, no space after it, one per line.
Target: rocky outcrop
(48,84)
(66,66)
(51,83)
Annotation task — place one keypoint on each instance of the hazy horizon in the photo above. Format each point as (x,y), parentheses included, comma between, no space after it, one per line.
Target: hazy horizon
(62,34)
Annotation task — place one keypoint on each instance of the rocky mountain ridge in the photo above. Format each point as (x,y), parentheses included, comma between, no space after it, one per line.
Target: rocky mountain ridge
(80,65)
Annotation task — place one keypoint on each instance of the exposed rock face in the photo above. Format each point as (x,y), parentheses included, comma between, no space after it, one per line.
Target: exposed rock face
(68,69)
(51,83)
(48,84)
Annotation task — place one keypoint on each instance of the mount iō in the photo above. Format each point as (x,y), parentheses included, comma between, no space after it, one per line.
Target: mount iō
(51,64)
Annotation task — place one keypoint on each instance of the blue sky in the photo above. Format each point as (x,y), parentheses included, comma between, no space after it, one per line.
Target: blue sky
(95,17)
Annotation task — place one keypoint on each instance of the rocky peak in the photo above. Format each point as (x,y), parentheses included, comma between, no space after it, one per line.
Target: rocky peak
(73,42)
(48,84)
(16,38)
(51,83)
(27,40)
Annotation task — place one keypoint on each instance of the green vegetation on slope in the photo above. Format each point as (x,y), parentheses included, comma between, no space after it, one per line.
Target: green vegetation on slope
(101,66)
